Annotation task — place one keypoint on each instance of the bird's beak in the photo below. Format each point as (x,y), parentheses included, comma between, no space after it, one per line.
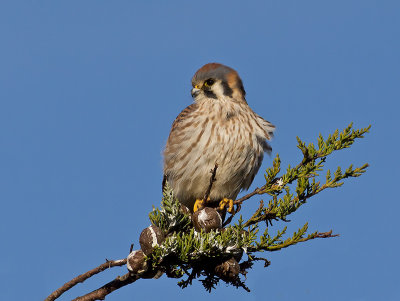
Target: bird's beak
(195,91)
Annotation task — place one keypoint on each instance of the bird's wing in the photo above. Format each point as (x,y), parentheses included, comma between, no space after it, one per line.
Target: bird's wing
(175,125)
(183,115)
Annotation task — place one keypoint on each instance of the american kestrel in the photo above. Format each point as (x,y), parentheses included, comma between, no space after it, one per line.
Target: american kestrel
(218,128)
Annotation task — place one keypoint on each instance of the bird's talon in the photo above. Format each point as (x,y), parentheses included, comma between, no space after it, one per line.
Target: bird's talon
(199,204)
(226,203)
(230,209)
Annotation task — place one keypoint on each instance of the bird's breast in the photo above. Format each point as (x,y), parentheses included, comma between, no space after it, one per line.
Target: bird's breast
(208,139)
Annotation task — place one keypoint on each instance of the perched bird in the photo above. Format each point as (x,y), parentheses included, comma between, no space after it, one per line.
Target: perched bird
(218,128)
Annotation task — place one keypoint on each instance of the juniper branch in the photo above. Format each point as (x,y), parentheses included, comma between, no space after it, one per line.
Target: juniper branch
(186,252)
(81,278)
(102,292)
(333,143)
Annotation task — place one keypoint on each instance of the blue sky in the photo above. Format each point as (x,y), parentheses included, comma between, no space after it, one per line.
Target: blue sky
(89,89)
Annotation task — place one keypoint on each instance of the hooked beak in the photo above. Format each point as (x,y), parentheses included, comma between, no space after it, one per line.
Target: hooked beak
(195,91)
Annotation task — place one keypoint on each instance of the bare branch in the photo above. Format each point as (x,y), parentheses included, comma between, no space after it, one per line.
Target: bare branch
(81,278)
(108,288)
(212,180)
(249,195)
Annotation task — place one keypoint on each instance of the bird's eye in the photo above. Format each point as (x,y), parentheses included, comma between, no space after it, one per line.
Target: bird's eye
(209,82)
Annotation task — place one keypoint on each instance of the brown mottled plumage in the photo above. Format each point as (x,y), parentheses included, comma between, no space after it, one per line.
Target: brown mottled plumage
(219,127)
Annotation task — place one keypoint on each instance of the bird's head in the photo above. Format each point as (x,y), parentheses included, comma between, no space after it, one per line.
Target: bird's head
(217,81)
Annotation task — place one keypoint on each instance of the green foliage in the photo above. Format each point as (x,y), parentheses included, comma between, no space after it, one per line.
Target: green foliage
(170,216)
(305,174)
(187,252)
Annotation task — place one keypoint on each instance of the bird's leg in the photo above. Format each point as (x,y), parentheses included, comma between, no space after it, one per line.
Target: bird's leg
(200,204)
(226,203)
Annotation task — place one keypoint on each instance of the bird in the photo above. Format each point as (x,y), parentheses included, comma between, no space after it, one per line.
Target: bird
(218,129)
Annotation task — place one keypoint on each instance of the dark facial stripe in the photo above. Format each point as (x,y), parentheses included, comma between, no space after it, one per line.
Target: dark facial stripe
(227,90)
(210,94)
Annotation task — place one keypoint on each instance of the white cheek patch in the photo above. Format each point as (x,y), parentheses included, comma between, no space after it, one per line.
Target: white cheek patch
(218,89)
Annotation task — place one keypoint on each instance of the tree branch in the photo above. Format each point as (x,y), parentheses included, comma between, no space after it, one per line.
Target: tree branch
(212,180)
(108,288)
(81,278)
(249,195)
(303,239)
(190,250)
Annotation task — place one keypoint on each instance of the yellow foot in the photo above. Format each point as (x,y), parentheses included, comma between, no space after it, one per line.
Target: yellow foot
(226,203)
(199,204)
